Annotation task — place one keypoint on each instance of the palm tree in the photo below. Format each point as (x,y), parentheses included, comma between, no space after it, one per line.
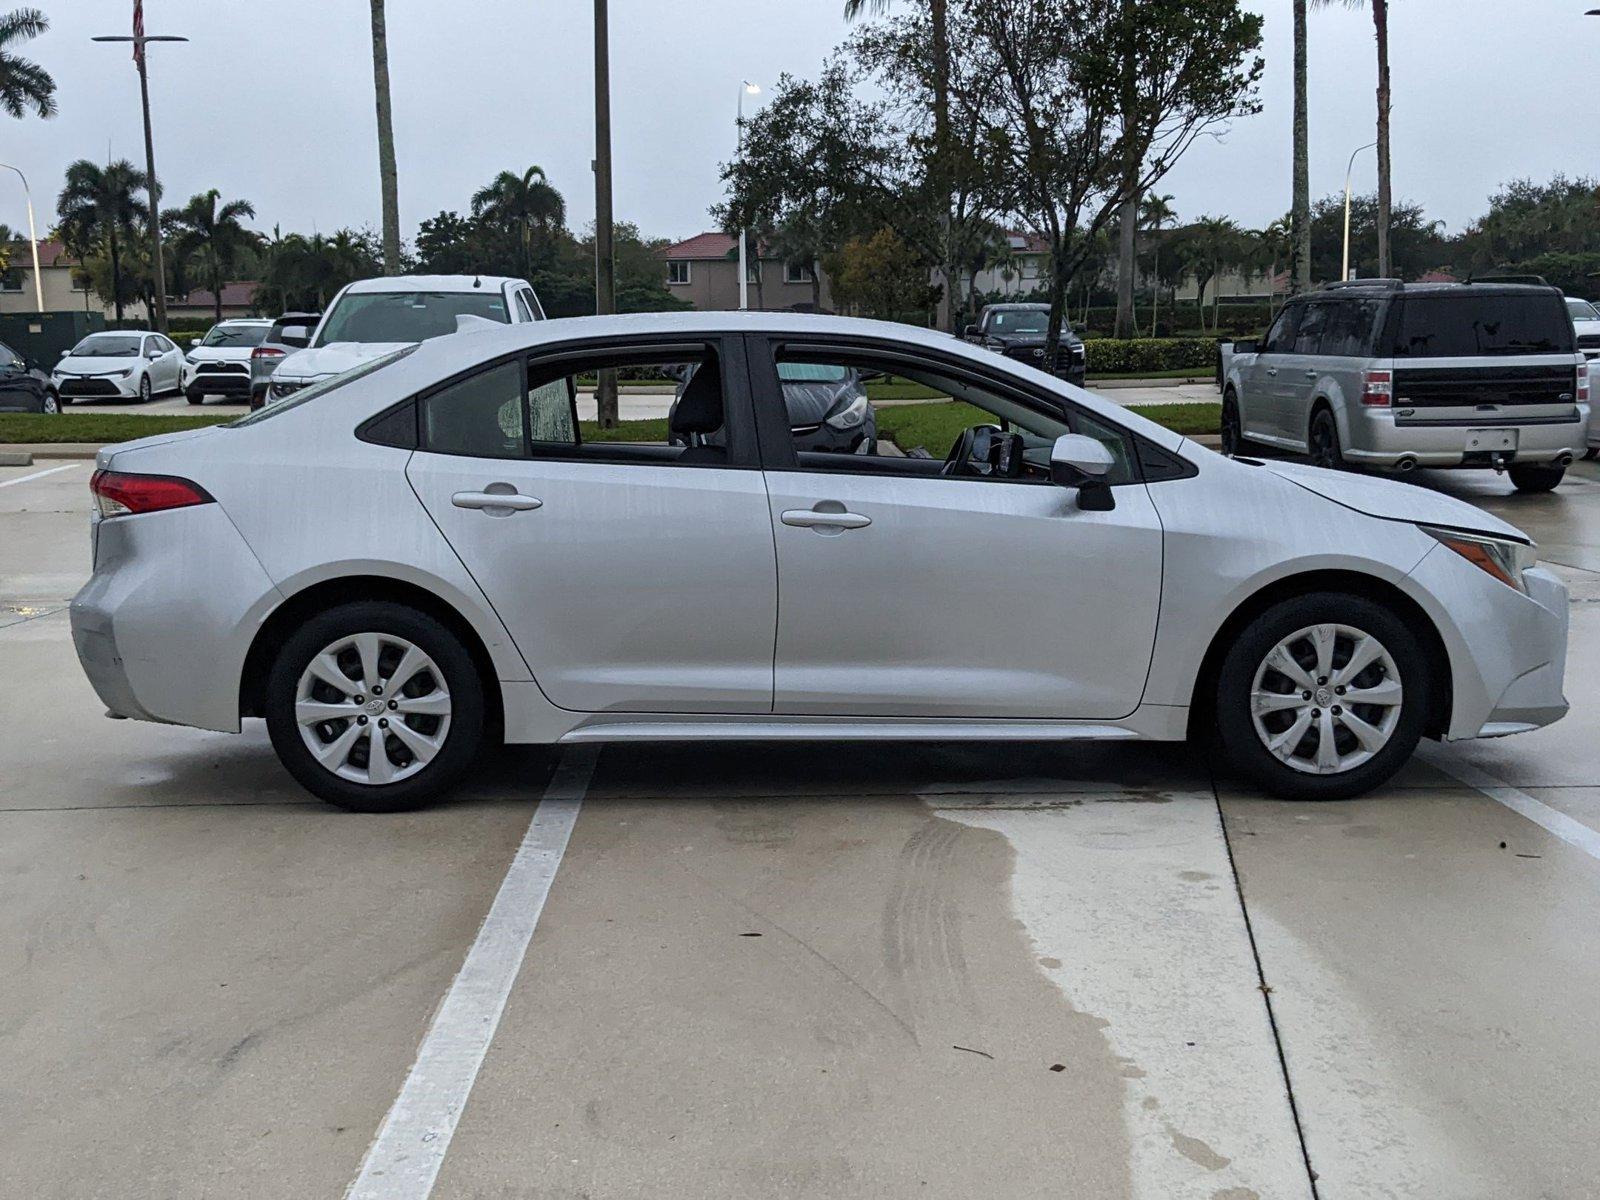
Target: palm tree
(216,234)
(24,84)
(1380,28)
(387,178)
(1211,245)
(99,206)
(1300,209)
(1154,212)
(527,203)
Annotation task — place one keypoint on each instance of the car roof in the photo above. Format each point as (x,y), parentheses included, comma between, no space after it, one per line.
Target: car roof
(245,321)
(1481,287)
(1016,307)
(433,283)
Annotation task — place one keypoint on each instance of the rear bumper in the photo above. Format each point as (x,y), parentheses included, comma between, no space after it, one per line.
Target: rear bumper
(1376,438)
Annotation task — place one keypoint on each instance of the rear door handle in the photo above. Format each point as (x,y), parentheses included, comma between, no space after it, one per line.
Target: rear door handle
(507,500)
(1272,371)
(810,518)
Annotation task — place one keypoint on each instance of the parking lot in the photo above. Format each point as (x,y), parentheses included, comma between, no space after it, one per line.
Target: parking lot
(868,970)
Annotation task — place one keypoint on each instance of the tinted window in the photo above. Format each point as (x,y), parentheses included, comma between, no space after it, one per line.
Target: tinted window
(1281,336)
(1466,325)
(1019,321)
(109,345)
(406,316)
(1308,337)
(1349,331)
(480,416)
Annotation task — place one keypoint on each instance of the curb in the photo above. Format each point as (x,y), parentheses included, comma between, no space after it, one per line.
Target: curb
(53,449)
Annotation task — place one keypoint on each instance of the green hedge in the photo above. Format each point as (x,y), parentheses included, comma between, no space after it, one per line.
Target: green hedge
(1110,356)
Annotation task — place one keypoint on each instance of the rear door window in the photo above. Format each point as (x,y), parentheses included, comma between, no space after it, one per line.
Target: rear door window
(1281,336)
(1469,326)
(1308,338)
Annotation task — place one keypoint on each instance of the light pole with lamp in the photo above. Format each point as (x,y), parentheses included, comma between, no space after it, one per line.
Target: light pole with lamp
(750,89)
(140,40)
(33,238)
(1344,271)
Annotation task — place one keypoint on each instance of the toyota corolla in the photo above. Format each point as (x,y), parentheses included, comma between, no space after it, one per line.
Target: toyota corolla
(430,551)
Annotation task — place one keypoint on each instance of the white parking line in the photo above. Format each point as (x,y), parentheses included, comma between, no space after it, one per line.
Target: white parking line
(37,475)
(1574,833)
(404,1159)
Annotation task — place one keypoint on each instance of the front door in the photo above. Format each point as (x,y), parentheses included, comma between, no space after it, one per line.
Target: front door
(634,575)
(911,588)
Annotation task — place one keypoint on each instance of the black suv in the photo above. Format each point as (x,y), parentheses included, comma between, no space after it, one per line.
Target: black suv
(1017,331)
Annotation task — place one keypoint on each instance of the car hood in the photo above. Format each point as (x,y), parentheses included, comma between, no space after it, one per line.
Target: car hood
(1032,339)
(332,359)
(95,366)
(1393,500)
(220,354)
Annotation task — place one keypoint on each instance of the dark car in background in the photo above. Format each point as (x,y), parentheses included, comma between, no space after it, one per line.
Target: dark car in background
(22,389)
(290,332)
(1018,332)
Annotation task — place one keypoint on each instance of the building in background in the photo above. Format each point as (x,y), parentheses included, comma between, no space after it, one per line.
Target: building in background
(704,270)
(66,289)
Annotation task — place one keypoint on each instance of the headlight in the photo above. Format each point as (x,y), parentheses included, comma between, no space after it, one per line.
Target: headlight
(851,415)
(1503,558)
(124,374)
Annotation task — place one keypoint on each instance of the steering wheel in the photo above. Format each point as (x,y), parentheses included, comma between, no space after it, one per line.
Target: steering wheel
(976,442)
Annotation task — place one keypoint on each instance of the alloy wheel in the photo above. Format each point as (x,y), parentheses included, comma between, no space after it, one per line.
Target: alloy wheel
(1326,699)
(51,405)
(373,708)
(144,389)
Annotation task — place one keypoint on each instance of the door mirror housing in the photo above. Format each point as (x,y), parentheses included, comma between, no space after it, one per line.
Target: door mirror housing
(1078,461)
(1247,346)
(972,331)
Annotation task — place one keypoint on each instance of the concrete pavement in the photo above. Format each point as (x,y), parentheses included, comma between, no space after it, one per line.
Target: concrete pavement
(787,970)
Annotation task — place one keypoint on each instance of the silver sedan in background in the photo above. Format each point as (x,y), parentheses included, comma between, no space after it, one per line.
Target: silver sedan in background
(1068,570)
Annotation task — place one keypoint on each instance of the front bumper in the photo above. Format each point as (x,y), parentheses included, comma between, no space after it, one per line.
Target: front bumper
(210,383)
(1508,650)
(96,387)
(1376,437)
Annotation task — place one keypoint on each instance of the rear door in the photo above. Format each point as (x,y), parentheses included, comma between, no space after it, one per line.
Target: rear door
(634,575)
(1486,363)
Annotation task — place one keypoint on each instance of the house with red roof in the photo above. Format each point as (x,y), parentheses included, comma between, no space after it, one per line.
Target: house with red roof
(66,288)
(704,270)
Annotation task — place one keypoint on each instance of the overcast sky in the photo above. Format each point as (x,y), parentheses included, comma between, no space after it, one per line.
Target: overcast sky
(271,100)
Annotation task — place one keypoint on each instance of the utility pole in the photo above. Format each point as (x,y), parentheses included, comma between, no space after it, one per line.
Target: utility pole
(388,175)
(605,283)
(152,190)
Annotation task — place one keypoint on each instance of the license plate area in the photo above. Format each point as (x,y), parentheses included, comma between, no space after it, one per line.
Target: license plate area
(1491,439)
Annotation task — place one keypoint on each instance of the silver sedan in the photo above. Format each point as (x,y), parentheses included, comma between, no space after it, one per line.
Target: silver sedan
(430,550)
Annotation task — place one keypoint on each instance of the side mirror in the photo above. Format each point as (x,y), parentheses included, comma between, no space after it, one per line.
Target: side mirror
(296,335)
(1078,461)
(972,331)
(1247,346)
(154,352)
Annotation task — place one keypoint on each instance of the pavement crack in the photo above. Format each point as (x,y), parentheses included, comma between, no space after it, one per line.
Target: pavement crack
(1266,996)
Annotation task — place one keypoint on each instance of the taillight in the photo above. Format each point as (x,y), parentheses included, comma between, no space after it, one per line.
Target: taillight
(266,352)
(120,493)
(1583,383)
(1377,389)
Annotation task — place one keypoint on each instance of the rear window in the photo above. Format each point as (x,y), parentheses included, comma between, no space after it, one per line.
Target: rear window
(1467,326)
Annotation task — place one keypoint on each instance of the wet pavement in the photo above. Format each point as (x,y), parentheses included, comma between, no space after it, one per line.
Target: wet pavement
(842,970)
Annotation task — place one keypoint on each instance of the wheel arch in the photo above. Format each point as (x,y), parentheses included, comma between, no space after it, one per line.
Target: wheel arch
(1202,701)
(328,593)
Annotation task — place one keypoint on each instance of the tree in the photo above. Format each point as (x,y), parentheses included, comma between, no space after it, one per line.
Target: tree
(1087,88)
(1380,29)
(98,209)
(24,84)
(527,205)
(881,277)
(1154,213)
(387,177)
(305,272)
(1300,205)
(1416,244)
(1209,247)
(1527,219)
(215,234)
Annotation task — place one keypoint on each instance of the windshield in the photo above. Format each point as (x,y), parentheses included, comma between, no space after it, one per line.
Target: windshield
(235,335)
(1582,310)
(1023,320)
(317,390)
(108,345)
(406,316)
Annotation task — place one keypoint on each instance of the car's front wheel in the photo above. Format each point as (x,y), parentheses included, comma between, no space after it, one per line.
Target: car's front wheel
(1535,478)
(49,404)
(1322,697)
(1232,425)
(195,397)
(375,707)
(145,389)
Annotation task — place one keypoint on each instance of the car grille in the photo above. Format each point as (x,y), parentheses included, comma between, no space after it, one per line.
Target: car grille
(78,386)
(1034,356)
(1589,343)
(222,369)
(1469,387)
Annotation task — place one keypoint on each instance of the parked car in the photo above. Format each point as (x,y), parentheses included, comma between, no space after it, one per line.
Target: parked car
(371,317)
(290,332)
(1586,325)
(1069,570)
(127,365)
(1394,376)
(219,364)
(23,389)
(1018,331)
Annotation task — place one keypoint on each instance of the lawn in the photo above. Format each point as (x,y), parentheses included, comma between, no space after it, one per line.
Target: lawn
(933,425)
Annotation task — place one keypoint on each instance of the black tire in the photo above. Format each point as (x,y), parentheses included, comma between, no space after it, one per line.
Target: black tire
(1530,478)
(62,401)
(1323,441)
(49,403)
(1236,727)
(195,397)
(146,391)
(1232,425)
(460,678)
(1592,453)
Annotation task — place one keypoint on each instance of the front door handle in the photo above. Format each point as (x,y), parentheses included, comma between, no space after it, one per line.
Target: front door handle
(1311,374)
(812,518)
(1273,372)
(512,501)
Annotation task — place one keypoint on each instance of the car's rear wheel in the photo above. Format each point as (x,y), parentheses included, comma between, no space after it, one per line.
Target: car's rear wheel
(1532,478)
(1324,441)
(1322,697)
(375,707)
(49,403)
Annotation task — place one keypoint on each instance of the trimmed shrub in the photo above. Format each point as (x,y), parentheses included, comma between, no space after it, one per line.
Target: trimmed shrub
(1112,356)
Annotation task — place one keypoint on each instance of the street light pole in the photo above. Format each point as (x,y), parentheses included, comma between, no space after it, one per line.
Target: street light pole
(33,238)
(1344,272)
(744,270)
(140,41)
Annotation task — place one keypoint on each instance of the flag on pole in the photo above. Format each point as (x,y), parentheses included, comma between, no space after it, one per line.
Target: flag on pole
(138,32)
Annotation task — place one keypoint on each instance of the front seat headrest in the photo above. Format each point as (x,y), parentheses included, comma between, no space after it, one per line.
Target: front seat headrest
(699,409)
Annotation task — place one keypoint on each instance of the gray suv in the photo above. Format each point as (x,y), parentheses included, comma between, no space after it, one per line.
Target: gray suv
(1395,376)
